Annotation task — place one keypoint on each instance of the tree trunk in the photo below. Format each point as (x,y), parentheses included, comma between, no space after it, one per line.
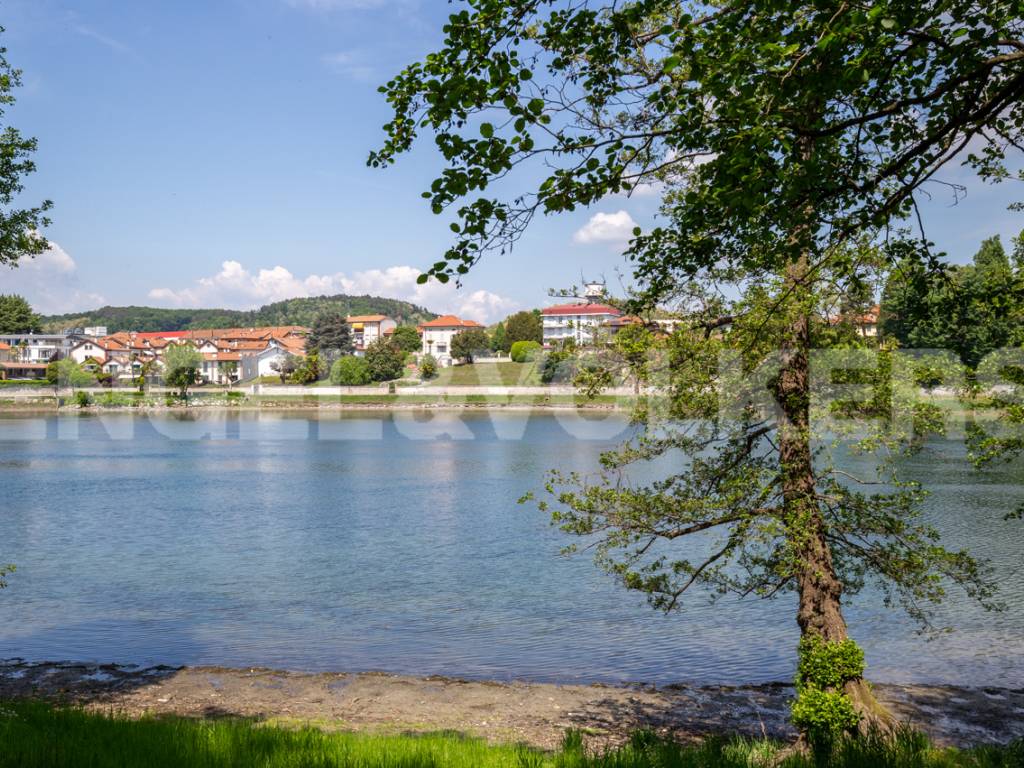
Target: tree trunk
(820,591)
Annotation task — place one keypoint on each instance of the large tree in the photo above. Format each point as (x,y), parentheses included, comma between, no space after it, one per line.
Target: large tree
(16,315)
(330,336)
(523,326)
(779,133)
(407,338)
(19,227)
(469,343)
(181,366)
(971,309)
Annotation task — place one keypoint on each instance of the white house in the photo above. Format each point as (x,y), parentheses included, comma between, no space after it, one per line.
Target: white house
(367,329)
(37,348)
(580,322)
(437,336)
(256,363)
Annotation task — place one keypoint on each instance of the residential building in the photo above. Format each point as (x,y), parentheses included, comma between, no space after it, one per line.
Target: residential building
(437,336)
(38,347)
(19,370)
(255,364)
(221,367)
(367,329)
(867,324)
(5,352)
(581,323)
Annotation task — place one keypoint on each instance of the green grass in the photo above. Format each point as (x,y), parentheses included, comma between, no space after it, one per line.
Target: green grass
(34,735)
(505,374)
(18,383)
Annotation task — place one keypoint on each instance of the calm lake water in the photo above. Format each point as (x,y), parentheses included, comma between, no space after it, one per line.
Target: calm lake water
(390,542)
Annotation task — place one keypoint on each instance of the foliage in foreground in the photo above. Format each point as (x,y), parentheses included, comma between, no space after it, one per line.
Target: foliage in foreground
(34,735)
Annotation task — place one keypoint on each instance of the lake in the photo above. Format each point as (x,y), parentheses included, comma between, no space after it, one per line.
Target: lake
(393,541)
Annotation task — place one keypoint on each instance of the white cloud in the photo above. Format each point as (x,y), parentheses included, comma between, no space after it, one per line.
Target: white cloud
(236,287)
(50,283)
(350,64)
(606,228)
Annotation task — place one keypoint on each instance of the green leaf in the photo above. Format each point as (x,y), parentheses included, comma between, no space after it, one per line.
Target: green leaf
(486,130)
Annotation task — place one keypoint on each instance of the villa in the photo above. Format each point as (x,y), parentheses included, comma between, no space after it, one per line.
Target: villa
(581,323)
(437,336)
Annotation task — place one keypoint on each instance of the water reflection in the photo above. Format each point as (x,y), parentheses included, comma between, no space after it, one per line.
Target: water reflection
(380,541)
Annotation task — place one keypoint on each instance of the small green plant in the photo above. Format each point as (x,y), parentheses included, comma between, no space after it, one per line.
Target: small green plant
(83,399)
(523,351)
(428,367)
(822,710)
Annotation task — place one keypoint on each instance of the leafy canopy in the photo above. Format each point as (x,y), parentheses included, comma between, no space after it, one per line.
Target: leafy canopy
(19,227)
(16,315)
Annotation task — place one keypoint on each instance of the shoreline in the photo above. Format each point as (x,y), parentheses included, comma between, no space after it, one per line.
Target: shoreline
(307,407)
(524,712)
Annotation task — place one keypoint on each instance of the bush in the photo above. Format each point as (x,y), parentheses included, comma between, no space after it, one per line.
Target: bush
(524,350)
(558,366)
(82,399)
(385,360)
(350,372)
(428,367)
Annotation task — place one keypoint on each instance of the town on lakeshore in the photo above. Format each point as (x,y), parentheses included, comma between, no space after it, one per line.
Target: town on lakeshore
(228,356)
(512,384)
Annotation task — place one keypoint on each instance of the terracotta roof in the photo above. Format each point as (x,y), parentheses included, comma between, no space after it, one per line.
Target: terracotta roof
(450,321)
(366,318)
(146,335)
(581,309)
(624,320)
(25,366)
(222,356)
(225,333)
(4,345)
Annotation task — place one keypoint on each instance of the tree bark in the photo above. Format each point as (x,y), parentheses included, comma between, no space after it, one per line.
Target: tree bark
(819,588)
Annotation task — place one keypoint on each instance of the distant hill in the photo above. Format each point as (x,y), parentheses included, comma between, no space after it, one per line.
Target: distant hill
(288,312)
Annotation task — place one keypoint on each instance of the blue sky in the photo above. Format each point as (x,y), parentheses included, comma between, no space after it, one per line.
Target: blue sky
(212,153)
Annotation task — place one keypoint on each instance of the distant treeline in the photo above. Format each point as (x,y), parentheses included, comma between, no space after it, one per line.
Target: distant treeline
(302,311)
(970,309)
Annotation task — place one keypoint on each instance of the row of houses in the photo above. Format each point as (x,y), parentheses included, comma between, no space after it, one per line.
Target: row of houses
(243,354)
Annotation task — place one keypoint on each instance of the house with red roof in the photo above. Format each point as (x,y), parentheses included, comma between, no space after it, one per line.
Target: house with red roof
(581,322)
(367,329)
(437,336)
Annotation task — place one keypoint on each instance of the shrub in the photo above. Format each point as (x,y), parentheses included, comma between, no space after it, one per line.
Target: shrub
(350,372)
(385,360)
(428,367)
(82,399)
(821,708)
(558,366)
(524,350)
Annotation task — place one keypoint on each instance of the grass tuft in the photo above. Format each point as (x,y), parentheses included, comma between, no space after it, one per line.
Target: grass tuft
(35,735)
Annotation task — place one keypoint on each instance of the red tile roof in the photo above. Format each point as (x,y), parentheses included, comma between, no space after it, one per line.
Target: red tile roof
(450,321)
(581,309)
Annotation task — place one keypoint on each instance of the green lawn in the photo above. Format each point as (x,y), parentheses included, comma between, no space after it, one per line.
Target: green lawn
(505,374)
(34,735)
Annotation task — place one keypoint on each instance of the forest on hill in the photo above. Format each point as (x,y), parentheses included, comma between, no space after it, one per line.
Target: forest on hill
(299,311)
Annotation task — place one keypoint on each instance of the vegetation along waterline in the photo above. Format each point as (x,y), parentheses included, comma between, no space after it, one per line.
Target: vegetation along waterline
(34,735)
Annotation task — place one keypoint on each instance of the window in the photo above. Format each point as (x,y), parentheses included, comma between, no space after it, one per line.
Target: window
(442,348)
